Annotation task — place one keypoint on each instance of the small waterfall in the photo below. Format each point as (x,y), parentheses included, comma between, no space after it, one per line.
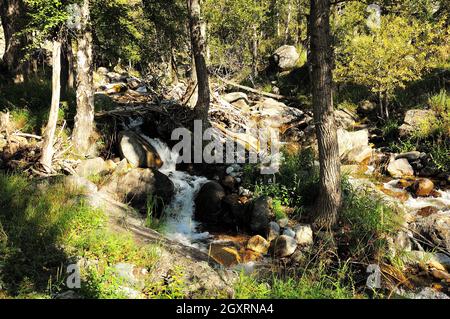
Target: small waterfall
(179,224)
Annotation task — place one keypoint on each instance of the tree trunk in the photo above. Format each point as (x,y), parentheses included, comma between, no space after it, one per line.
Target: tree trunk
(298,33)
(14,20)
(84,119)
(288,22)
(329,199)
(67,68)
(255,52)
(198,47)
(49,134)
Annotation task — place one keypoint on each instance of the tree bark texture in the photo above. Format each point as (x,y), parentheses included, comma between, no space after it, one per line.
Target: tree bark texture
(199,51)
(49,133)
(329,198)
(14,20)
(84,119)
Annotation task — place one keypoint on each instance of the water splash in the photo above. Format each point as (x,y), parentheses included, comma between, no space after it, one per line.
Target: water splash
(180,224)
(442,203)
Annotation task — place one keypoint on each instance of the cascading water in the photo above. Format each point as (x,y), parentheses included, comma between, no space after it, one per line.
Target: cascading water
(442,203)
(179,224)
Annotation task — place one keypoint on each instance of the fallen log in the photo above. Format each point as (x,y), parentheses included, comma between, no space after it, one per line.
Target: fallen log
(127,110)
(255,91)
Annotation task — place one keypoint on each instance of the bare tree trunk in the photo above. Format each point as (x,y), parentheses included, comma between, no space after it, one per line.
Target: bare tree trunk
(255,51)
(298,33)
(49,134)
(288,22)
(329,199)
(198,47)
(14,19)
(204,32)
(173,62)
(84,119)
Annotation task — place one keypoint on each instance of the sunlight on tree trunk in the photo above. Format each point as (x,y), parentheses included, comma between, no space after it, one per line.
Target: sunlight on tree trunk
(49,134)
(198,46)
(329,199)
(84,119)
(288,22)
(255,51)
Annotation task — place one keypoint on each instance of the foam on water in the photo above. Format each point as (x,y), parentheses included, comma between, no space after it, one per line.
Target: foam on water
(180,224)
(413,204)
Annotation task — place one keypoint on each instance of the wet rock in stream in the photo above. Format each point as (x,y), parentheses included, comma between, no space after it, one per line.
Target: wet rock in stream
(435,228)
(137,184)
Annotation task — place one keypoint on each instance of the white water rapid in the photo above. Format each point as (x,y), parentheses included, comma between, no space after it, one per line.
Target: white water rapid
(179,223)
(442,203)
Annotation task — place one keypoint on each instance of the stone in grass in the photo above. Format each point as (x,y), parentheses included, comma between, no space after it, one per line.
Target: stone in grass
(274,231)
(283,222)
(283,246)
(289,232)
(303,235)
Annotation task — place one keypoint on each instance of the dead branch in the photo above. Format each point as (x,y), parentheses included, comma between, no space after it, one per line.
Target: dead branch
(255,91)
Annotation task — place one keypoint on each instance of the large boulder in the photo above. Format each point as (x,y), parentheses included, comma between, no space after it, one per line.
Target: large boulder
(258,219)
(277,115)
(414,119)
(285,57)
(235,210)
(354,146)
(423,187)
(90,167)
(208,205)
(345,119)
(138,151)
(398,168)
(235,96)
(435,228)
(137,184)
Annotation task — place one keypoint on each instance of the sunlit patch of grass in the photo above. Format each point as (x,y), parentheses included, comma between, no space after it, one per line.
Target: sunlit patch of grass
(369,221)
(46,227)
(314,283)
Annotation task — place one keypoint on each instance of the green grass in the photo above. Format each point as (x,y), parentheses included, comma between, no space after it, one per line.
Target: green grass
(45,228)
(278,209)
(314,283)
(368,220)
(295,185)
(390,128)
(173,288)
(155,205)
(440,102)
(433,134)
(29,104)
